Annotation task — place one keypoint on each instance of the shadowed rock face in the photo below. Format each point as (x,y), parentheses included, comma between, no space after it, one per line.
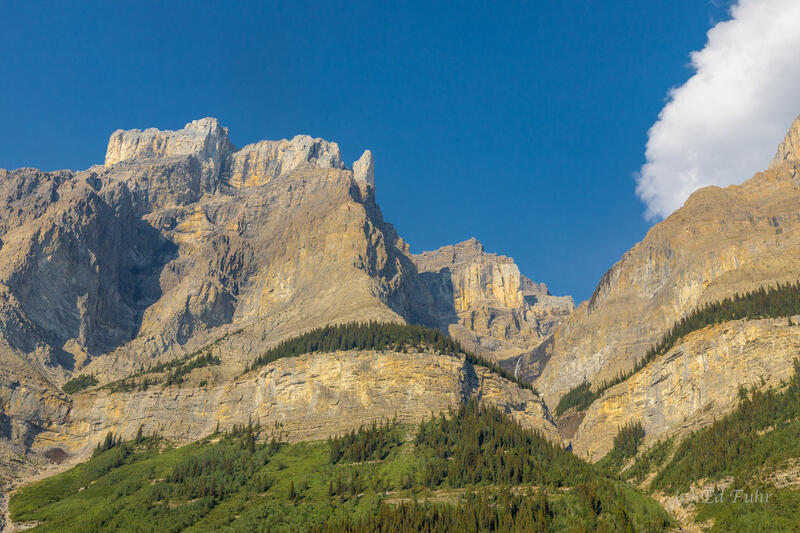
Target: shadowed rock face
(722,241)
(181,239)
(78,268)
(486,303)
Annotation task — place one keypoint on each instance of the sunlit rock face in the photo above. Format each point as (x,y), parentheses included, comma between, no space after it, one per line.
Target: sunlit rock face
(364,171)
(258,163)
(486,303)
(693,384)
(313,396)
(180,240)
(721,242)
(788,154)
(206,139)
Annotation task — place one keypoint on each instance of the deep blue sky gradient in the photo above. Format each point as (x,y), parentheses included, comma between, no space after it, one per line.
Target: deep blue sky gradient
(518,123)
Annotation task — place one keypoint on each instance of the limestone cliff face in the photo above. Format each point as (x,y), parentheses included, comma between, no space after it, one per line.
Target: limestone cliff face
(693,384)
(28,402)
(76,272)
(205,140)
(256,164)
(178,239)
(364,171)
(485,301)
(312,396)
(722,241)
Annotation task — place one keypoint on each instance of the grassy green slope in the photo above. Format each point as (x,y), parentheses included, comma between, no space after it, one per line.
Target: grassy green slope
(473,470)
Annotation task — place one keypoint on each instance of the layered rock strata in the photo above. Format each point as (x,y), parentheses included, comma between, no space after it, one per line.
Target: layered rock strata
(312,397)
(180,240)
(693,384)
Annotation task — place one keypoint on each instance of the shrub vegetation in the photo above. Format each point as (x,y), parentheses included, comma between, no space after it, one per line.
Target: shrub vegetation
(79,383)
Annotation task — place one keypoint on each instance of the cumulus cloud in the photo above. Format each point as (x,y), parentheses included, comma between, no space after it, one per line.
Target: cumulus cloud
(725,123)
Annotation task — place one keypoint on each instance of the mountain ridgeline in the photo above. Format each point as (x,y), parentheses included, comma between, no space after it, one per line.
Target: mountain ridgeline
(206,337)
(723,241)
(182,259)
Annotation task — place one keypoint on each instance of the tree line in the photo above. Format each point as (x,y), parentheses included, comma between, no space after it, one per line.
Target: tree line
(368,443)
(505,478)
(378,336)
(782,300)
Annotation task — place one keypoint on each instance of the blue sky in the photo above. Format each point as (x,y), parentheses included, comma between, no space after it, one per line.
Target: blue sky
(521,124)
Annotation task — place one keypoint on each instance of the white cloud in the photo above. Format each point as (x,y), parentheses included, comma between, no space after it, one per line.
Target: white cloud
(725,123)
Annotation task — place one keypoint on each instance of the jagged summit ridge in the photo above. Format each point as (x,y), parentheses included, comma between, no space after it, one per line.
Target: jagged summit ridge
(789,149)
(452,253)
(253,165)
(257,163)
(204,138)
(364,170)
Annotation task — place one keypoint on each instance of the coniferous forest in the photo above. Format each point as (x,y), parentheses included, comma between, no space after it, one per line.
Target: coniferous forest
(467,470)
(472,469)
(761,436)
(78,383)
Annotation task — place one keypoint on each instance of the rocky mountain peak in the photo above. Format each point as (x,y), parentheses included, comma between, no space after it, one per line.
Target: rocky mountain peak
(789,149)
(205,138)
(722,242)
(494,309)
(364,170)
(207,141)
(258,163)
(453,254)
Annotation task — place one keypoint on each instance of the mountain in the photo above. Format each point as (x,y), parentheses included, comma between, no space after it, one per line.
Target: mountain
(484,301)
(182,243)
(723,241)
(187,287)
(609,365)
(693,384)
